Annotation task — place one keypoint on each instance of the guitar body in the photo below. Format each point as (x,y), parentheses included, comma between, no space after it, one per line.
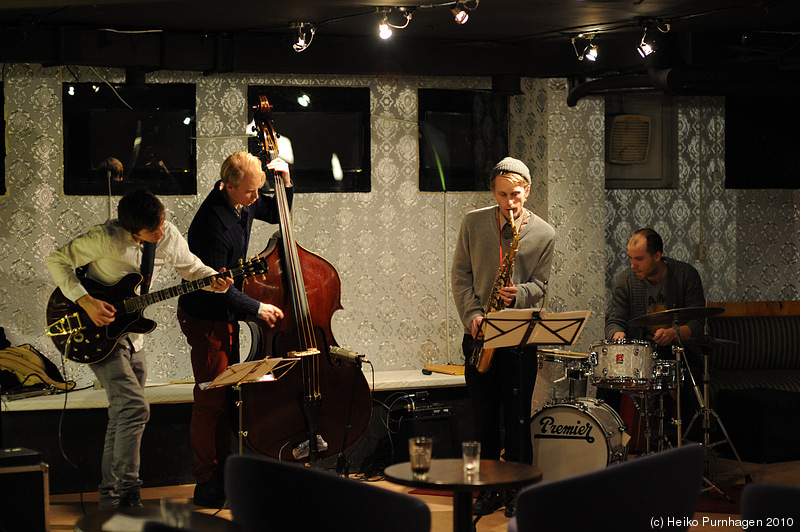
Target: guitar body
(93,344)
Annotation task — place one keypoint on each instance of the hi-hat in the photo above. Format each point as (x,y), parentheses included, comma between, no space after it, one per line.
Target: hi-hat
(667,317)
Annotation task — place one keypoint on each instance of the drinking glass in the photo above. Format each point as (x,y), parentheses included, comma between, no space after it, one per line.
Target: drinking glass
(419,453)
(176,512)
(471,453)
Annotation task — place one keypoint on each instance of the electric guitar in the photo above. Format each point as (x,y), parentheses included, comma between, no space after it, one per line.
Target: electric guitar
(80,340)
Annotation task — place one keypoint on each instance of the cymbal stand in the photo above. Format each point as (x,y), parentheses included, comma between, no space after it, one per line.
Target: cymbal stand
(706,413)
(678,421)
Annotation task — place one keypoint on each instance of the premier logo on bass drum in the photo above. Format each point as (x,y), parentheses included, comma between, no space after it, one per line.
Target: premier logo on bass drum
(551,429)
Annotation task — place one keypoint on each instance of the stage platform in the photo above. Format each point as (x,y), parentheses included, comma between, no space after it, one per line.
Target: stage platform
(75,422)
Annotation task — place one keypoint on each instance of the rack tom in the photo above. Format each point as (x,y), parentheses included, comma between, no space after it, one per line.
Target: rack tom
(623,364)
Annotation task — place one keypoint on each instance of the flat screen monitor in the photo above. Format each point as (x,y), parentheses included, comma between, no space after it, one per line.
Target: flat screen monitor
(759,147)
(324,134)
(150,130)
(462,135)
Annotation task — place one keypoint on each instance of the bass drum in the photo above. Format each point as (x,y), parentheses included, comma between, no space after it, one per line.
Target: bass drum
(576,437)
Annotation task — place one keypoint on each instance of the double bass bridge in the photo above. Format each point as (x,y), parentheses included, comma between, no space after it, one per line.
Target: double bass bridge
(308,352)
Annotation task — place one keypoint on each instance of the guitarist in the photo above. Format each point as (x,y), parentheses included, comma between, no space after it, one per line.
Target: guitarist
(110,251)
(220,235)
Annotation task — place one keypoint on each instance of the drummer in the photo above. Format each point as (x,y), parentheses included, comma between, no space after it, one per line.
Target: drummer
(654,283)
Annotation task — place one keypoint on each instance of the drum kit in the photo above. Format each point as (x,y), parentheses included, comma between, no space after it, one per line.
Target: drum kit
(573,434)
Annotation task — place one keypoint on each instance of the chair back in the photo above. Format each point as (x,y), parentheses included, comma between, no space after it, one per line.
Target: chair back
(665,485)
(771,506)
(267,495)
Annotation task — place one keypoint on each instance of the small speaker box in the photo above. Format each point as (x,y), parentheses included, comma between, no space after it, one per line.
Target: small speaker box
(26,491)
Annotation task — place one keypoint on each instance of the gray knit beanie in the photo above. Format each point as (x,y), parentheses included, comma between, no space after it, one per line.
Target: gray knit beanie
(511,165)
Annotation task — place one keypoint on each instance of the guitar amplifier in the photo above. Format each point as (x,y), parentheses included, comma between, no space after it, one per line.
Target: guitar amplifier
(24,483)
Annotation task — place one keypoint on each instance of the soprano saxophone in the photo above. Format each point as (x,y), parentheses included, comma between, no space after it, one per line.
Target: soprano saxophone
(482,357)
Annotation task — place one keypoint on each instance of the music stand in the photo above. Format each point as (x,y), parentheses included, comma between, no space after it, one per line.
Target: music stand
(265,370)
(518,328)
(521,327)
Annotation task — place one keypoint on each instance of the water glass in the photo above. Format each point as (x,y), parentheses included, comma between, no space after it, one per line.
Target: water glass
(420,450)
(471,453)
(176,512)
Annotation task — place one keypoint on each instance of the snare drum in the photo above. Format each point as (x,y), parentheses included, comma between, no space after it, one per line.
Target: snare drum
(562,375)
(577,437)
(623,364)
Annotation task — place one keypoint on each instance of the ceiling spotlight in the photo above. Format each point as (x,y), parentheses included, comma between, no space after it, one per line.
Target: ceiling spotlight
(385,27)
(459,12)
(460,15)
(590,52)
(646,47)
(305,34)
(384,31)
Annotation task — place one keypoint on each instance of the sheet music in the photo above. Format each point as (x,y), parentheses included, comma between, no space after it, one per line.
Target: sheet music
(508,327)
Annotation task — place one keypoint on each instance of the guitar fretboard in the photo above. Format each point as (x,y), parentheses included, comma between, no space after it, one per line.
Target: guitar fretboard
(132,304)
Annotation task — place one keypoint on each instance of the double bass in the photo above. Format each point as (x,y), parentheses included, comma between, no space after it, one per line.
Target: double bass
(321,402)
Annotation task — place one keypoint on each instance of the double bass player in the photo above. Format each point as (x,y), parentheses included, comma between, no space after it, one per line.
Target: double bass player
(220,234)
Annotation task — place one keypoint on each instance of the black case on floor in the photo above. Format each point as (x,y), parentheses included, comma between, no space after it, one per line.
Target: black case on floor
(25,490)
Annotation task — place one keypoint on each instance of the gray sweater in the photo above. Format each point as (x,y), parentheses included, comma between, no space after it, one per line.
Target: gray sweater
(684,289)
(477,259)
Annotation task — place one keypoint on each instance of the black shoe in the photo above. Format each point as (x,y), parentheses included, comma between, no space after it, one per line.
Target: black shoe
(488,501)
(209,494)
(511,502)
(132,499)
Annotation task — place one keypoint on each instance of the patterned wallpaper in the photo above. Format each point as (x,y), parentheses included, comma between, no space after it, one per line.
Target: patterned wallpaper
(393,246)
(752,235)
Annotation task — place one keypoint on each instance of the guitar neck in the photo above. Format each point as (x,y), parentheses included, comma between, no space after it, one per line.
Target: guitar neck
(132,304)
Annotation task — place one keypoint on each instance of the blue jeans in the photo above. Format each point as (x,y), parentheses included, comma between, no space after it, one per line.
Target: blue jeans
(123,374)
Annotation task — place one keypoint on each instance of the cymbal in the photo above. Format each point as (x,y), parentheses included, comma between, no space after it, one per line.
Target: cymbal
(667,317)
(709,341)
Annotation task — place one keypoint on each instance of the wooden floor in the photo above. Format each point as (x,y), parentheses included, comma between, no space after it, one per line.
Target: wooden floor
(66,510)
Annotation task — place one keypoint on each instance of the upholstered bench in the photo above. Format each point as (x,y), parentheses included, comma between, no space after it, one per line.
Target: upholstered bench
(755,385)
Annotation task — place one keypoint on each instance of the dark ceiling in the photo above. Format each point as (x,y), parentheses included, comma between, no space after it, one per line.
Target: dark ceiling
(712,46)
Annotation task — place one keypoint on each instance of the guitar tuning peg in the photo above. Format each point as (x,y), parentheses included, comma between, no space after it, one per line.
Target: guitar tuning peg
(241,262)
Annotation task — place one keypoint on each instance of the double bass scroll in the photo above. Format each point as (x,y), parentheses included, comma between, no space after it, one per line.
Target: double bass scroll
(321,402)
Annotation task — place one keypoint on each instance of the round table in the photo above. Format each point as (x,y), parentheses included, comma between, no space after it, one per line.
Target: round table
(201,522)
(448,475)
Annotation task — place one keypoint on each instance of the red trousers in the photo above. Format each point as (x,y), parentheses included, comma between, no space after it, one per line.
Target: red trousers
(214,346)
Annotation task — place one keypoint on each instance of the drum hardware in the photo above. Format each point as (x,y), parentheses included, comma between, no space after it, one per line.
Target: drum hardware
(706,412)
(672,318)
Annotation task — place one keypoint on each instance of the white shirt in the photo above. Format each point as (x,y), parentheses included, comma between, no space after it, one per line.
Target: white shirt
(111,253)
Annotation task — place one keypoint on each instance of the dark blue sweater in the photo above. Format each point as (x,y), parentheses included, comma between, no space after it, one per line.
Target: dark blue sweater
(220,238)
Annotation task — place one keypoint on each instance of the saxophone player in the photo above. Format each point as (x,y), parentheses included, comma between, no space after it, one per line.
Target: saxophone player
(484,241)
